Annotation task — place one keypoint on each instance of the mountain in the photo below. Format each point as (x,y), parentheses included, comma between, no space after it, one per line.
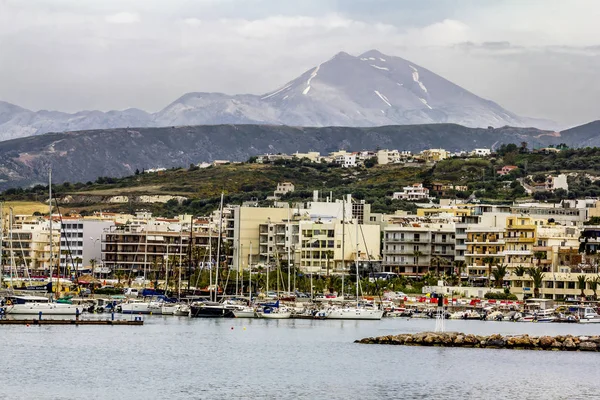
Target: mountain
(85,155)
(372,89)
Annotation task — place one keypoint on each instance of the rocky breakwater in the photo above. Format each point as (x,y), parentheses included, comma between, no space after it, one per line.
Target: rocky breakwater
(522,342)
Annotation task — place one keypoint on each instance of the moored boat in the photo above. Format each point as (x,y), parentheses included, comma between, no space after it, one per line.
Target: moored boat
(33,305)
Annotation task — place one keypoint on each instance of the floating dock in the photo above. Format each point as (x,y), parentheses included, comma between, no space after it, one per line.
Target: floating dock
(136,322)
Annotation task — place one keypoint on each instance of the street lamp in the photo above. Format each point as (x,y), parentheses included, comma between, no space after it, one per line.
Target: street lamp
(94,240)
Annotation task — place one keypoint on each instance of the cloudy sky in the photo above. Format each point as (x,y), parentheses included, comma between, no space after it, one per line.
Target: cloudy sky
(538,58)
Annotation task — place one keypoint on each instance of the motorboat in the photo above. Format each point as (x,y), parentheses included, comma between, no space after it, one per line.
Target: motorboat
(210,309)
(181,310)
(34,305)
(136,307)
(546,315)
(356,313)
(246,312)
(589,316)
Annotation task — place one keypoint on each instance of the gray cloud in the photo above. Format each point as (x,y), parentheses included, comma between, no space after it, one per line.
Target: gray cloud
(536,58)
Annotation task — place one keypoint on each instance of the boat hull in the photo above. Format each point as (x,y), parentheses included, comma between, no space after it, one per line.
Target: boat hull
(45,309)
(245,314)
(211,312)
(355,314)
(136,308)
(278,315)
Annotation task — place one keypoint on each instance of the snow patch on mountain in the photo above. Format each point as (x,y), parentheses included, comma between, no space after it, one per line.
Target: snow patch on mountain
(383,98)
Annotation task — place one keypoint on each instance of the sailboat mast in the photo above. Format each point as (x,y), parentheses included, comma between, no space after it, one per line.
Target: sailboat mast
(250,274)
(343,242)
(210,259)
(167,268)
(357,278)
(50,228)
(289,248)
(12,248)
(219,248)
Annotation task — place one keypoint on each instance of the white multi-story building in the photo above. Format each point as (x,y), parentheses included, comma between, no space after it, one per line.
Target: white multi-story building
(415,247)
(481,152)
(80,242)
(346,160)
(415,192)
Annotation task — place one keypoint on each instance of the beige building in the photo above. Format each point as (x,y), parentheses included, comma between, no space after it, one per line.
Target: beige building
(27,247)
(332,246)
(434,155)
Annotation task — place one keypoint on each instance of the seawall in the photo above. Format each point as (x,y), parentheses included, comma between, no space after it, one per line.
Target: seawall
(522,342)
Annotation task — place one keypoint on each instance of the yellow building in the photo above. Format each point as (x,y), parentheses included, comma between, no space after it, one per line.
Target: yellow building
(520,238)
(557,286)
(434,155)
(485,248)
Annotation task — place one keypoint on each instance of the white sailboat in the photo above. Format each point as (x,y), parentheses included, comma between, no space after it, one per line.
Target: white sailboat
(358,312)
(249,311)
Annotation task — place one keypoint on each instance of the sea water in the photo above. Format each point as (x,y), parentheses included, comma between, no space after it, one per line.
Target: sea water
(182,358)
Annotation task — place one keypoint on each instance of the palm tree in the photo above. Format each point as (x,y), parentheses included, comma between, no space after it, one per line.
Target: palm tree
(417,254)
(520,270)
(489,261)
(539,256)
(593,282)
(499,274)
(460,265)
(537,276)
(581,281)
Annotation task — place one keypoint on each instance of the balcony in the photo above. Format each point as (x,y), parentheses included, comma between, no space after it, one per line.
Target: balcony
(521,227)
(520,239)
(518,252)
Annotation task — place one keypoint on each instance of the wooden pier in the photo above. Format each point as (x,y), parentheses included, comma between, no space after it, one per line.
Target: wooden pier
(136,322)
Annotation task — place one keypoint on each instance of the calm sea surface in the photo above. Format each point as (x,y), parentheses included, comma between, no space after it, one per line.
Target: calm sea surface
(181,358)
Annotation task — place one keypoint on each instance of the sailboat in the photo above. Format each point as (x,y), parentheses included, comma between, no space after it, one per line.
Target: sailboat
(357,312)
(34,305)
(213,308)
(248,311)
(273,311)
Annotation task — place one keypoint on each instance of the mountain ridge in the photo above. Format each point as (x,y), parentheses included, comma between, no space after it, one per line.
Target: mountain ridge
(371,89)
(85,155)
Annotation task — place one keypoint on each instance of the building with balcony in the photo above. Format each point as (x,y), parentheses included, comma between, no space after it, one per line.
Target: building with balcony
(415,248)
(80,242)
(149,249)
(416,192)
(27,247)
(520,238)
(331,247)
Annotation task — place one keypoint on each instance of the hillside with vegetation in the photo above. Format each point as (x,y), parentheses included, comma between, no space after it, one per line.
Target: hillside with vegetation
(249,181)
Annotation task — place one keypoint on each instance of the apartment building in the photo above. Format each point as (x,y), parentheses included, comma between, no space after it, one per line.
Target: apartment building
(80,242)
(27,246)
(149,248)
(415,248)
(520,238)
(416,192)
(331,247)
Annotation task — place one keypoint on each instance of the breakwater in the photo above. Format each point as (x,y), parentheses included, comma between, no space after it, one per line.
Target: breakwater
(523,342)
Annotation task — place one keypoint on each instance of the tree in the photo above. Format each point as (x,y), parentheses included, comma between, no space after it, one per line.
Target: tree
(537,276)
(489,261)
(499,274)
(593,282)
(460,265)
(520,270)
(417,254)
(371,162)
(581,282)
